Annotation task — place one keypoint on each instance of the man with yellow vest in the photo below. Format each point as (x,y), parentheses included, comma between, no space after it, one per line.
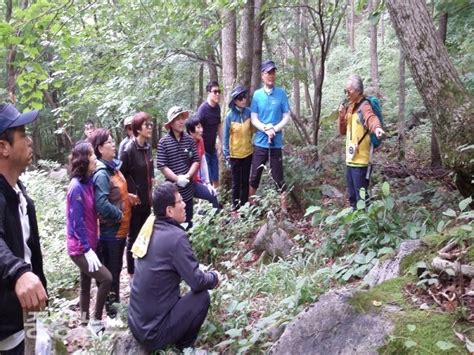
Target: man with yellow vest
(357,128)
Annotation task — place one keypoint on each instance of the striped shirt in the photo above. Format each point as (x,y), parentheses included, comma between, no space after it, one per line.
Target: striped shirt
(178,156)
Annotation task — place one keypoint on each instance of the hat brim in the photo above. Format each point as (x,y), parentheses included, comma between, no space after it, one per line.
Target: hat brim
(266,70)
(170,121)
(24,119)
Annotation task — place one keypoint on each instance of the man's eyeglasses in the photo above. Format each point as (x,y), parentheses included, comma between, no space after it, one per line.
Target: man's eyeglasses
(241,97)
(216,91)
(177,202)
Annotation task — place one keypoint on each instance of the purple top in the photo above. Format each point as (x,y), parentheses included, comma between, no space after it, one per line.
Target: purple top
(81,218)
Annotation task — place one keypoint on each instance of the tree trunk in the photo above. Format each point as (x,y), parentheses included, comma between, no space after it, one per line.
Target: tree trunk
(244,72)
(435,153)
(352,22)
(211,58)
(374,59)
(229,40)
(257,45)
(200,97)
(296,80)
(450,106)
(401,107)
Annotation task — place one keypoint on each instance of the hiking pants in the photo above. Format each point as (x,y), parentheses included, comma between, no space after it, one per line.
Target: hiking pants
(139,216)
(181,326)
(240,180)
(104,281)
(260,158)
(357,179)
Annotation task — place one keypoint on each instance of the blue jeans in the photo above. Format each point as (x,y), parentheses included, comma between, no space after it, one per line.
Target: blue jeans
(213,166)
(357,179)
(201,192)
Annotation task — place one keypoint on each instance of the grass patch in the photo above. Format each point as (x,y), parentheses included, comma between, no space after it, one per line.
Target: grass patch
(387,292)
(418,332)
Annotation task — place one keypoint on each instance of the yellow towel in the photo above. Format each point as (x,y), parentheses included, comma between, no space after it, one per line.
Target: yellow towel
(140,246)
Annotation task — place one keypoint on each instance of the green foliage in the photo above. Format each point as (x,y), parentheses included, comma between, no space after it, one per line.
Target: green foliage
(49,196)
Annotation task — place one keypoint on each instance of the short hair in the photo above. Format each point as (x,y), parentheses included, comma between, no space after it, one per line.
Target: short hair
(137,121)
(8,135)
(357,83)
(191,124)
(163,197)
(79,160)
(89,123)
(99,137)
(211,84)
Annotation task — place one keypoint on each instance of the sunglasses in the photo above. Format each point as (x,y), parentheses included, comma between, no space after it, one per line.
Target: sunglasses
(216,92)
(241,97)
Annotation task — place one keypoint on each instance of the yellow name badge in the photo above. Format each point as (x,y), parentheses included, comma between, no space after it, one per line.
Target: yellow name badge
(140,247)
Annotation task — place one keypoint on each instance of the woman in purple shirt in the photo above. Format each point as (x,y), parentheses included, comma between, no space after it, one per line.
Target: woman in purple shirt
(82,233)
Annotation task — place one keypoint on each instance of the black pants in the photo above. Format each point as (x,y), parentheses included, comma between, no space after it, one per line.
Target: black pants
(181,325)
(260,158)
(189,213)
(18,350)
(240,180)
(111,255)
(104,280)
(139,216)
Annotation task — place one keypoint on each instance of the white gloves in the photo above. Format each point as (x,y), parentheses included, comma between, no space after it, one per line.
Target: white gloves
(379,132)
(182,181)
(92,260)
(211,189)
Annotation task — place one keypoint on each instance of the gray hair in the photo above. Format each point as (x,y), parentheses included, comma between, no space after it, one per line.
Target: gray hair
(357,83)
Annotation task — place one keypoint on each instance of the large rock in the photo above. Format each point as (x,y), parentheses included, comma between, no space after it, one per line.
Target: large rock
(127,344)
(273,239)
(332,326)
(390,269)
(331,192)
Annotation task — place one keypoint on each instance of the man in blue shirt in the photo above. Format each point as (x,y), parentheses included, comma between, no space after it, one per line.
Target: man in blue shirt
(270,113)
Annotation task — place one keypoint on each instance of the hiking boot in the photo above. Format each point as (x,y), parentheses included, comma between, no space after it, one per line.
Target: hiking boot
(96,327)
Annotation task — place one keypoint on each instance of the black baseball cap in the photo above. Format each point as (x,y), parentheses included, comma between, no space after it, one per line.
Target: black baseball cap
(10,117)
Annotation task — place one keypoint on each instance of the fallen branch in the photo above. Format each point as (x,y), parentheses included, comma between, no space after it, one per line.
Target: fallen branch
(440,264)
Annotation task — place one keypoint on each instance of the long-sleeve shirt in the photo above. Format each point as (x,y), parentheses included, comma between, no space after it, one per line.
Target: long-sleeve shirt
(81,217)
(155,287)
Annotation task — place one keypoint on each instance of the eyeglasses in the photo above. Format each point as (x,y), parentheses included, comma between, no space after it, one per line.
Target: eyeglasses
(241,97)
(216,92)
(176,202)
(148,124)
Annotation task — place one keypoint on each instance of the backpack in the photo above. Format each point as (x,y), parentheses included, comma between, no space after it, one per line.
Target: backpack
(375,104)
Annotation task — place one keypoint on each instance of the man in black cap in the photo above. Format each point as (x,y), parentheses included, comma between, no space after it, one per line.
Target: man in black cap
(22,281)
(270,113)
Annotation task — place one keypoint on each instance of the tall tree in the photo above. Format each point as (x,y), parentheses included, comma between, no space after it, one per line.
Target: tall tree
(374,57)
(229,40)
(450,106)
(244,72)
(401,106)
(257,44)
(435,153)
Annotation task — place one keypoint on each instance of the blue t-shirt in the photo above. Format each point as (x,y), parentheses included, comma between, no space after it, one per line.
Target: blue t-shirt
(270,109)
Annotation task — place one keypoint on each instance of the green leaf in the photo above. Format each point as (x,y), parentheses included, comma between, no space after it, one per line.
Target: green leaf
(369,257)
(440,226)
(409,344)
(234,333)
(385,189)
(450,213)
(360,259)
(360,204)
(464,203)
(311,210)
(384,251)
(411,327)
(445,345)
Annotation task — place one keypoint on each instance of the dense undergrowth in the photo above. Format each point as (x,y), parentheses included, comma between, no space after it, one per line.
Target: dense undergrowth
(259,296)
